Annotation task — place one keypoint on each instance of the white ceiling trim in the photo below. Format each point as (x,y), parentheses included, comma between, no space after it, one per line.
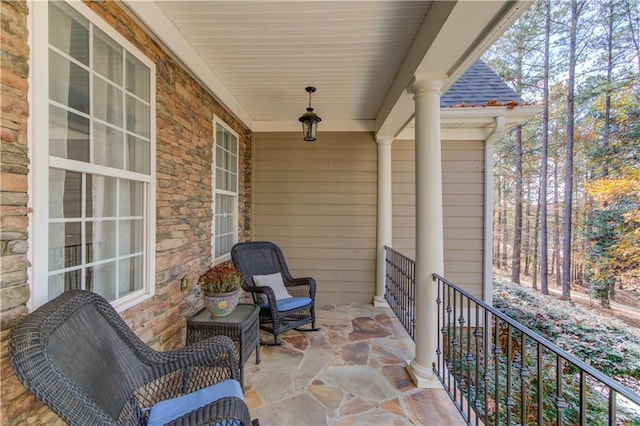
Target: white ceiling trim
(476,121)
(166,31)
(484,114)
(472,134)
(328,126)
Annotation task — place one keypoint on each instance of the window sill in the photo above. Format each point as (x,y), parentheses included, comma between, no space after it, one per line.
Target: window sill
(129,302)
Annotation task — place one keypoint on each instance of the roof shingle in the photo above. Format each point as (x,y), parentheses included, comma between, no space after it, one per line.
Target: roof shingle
(480,86)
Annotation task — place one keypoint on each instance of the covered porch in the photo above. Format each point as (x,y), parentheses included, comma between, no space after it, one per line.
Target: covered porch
(380,69)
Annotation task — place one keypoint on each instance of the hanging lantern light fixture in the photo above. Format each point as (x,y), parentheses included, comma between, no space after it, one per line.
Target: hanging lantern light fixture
(309,120)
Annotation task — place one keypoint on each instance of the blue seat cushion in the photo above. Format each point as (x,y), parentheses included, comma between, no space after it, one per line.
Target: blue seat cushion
(289,303)
(170,409)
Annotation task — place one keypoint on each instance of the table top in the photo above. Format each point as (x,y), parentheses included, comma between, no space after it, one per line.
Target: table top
(241,313)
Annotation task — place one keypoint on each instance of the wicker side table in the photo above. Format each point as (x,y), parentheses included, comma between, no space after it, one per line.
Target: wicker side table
(241,326)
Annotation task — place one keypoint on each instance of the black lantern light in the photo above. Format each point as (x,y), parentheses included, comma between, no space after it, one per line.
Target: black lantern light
(309,120)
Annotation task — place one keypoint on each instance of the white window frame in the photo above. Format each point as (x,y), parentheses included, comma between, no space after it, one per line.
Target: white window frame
(41,161)
(219,258)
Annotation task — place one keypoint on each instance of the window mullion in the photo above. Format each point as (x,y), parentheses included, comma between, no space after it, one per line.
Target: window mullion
(83,231)
(125,125)
(118,208)
(91,98)
(81,166)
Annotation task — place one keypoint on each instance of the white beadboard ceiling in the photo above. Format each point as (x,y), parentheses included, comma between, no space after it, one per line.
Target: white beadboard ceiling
(258,56)
(266,53)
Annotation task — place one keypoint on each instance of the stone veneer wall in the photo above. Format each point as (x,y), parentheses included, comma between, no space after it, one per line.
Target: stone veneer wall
(185,112)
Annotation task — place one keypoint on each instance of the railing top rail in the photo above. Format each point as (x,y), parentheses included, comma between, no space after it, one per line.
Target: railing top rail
(608,381)
(397,253)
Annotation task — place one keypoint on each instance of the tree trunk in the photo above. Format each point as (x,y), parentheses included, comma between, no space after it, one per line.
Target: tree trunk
(606,136)
(544,182)
(498,225)
(526,242)
(535,246)
(517,220)
(556,227)
(634,31)
(505,230)
(568,185)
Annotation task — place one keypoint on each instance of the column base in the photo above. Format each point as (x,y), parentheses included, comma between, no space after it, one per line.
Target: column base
(423,378)
(379,302)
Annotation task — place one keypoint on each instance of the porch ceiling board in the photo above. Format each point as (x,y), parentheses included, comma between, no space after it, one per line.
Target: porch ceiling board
(258,56)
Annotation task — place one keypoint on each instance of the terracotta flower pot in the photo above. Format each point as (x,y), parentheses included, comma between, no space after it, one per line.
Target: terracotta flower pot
(221,304)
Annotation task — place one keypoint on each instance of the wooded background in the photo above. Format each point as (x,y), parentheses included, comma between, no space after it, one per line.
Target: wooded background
(567,182)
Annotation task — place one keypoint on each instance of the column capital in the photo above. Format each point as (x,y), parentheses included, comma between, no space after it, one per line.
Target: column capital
(384,140)
(421,85)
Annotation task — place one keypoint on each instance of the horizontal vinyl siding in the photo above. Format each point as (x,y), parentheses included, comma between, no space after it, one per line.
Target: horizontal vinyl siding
(403,188)
(317,201)
(463,197)
(463,192)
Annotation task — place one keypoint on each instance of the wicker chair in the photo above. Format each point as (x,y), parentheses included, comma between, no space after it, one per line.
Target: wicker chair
(260,258)
(78,356)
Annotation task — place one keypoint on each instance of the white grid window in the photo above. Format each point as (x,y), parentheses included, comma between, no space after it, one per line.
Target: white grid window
(225,184)
(100,160)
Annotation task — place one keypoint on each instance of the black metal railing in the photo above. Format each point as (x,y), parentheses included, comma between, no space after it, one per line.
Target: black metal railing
(400,288)
(498,371)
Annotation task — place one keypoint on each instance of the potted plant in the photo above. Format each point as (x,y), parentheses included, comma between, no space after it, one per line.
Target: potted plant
(220,288)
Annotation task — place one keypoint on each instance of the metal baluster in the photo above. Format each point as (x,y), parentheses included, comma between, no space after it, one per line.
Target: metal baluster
(397,272)
(401,291)
(583,399)
(439,307)
(390,277)
(396,286)
(449,350)
(455,343)
(462,380)
(470,383)
(496,362)
(405,295)
(413,297)
(612,407)
(560,402)
(524,379)
(486,351)
(509,401)
(478,341)
(540,388)
(400,298)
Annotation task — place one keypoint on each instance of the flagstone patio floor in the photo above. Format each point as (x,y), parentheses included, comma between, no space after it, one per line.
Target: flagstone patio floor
(351,372)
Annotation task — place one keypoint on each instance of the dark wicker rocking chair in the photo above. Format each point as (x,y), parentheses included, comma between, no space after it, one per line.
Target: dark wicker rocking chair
(78,356)
(277,315)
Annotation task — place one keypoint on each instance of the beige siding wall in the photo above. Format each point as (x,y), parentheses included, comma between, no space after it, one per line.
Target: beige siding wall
(403,178)
(463,193)
(317,201)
